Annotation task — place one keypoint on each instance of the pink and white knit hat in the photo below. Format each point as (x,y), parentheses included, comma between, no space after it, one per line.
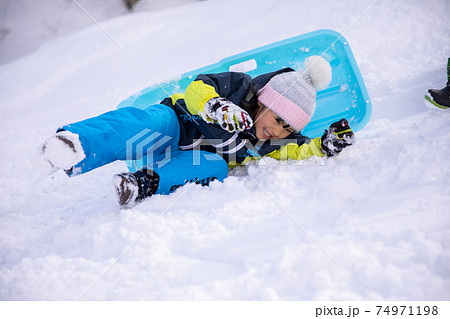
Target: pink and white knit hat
(292,95)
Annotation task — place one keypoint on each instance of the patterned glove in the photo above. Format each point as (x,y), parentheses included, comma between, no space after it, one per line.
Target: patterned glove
(337,137)
(228,115)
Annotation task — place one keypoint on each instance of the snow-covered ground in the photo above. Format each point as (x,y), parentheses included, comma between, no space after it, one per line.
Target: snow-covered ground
(373,223)
(24,25)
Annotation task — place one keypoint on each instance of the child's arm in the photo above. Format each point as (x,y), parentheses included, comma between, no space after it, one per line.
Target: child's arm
(338,136)
(230,85)
(215,97)
(197,94)
(299,152)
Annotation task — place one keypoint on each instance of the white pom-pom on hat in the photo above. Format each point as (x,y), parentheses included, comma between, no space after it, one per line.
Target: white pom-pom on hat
(319,71)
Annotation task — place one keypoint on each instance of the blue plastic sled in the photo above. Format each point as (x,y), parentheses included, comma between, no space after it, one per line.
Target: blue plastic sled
(346,97)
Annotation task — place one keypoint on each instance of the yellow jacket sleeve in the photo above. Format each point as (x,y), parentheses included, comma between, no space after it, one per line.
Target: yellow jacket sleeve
(298,152)
(197,94)
(290,151)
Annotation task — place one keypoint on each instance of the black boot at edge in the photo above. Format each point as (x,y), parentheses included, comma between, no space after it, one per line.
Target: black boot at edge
(442,97)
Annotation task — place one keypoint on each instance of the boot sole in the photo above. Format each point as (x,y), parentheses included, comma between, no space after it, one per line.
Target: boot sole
(429,99)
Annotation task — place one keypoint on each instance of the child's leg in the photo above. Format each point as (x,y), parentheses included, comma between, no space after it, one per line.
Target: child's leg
(126,133)
(184,167)
(198,167)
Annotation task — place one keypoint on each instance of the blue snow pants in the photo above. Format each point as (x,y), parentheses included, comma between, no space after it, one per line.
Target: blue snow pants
(149,137)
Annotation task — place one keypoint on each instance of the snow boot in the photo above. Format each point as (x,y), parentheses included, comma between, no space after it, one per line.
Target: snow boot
(440,98)
(132,188)
(63,151)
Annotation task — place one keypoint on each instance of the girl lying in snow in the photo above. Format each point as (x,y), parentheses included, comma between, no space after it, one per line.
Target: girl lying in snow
(222,119)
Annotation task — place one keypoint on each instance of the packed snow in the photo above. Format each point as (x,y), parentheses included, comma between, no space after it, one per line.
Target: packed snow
(370,224)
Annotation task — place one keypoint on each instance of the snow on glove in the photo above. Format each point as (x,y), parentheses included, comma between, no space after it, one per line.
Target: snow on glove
(337,137)
(228,115)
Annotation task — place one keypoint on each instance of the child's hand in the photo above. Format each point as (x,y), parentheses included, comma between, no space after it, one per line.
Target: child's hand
(228,115)
(337,137)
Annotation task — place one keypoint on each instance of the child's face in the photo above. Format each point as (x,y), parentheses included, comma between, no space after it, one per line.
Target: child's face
(268,125)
